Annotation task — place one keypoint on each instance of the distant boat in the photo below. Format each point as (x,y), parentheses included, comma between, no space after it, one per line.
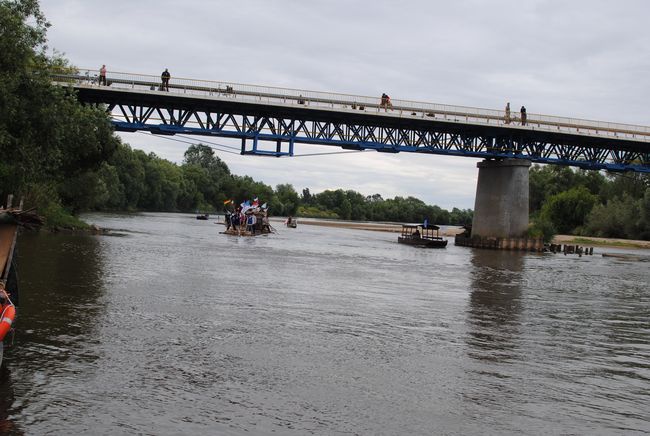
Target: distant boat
(203,217)
(427,237)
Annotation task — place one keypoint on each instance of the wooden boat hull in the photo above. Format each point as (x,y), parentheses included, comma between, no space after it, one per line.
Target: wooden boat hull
(422,242)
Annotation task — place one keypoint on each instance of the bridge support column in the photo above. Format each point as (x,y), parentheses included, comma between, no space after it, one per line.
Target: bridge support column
(501,205)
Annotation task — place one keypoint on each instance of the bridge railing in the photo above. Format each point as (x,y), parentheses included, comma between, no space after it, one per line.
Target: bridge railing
(365,104)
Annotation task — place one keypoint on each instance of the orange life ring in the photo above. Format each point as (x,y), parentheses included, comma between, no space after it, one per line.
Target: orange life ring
(6,319)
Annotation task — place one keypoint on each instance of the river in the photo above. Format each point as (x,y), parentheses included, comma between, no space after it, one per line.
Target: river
(167,327)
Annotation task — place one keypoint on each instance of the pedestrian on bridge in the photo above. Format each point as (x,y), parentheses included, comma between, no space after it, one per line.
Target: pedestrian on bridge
(507,117)
(102,75)
(523,115)
(385,102)
(164,77)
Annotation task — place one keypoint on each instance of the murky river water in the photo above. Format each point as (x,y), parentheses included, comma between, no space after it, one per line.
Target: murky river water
(172,328)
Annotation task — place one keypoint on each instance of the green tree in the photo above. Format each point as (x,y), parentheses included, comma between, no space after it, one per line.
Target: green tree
(211,176)
(618,218)
(306,198)
(288,199)
(47,138)
(568,210)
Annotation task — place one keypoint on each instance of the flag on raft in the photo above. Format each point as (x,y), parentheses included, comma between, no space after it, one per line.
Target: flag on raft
(263,206)
(245,206)
(255,202)
(426,223)
(227,202)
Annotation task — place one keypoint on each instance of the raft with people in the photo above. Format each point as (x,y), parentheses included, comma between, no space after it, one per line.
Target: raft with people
(249,219)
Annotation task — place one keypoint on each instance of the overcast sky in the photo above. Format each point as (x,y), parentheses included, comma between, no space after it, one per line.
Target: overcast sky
(586,59)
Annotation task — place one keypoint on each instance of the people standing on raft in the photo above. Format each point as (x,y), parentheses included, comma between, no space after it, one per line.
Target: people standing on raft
(248,219)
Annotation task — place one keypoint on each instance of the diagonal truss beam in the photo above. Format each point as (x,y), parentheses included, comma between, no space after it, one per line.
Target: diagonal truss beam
(279,133)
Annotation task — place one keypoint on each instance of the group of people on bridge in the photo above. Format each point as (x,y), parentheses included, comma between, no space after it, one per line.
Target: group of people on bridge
(522,115)
(164,78)
(384,102)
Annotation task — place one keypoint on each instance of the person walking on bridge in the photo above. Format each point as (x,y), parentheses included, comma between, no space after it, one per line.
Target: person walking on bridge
(102,75)
(523,116)
(164,77)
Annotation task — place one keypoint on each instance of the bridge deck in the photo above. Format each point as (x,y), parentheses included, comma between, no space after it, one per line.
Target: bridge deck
(354,104)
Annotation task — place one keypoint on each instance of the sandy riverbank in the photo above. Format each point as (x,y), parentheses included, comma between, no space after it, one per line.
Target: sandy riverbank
(452,231)
(377,227)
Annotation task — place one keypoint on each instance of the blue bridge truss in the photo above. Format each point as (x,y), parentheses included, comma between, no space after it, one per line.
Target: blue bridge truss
(271,126)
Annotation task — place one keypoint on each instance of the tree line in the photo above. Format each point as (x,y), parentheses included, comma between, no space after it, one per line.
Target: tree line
(589,203)
(134,180)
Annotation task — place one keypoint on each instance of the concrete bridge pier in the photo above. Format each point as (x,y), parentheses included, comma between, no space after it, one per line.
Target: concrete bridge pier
(501,205)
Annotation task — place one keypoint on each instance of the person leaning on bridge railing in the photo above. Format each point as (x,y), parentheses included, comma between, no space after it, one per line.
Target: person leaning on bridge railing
(385,102)
(523,115)
(507,116)
(164,77)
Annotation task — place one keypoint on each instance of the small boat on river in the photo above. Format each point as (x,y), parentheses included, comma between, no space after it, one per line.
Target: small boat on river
(420,236)
(291,222)
(203,216)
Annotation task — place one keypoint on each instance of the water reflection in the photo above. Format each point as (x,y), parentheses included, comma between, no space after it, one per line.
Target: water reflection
(61,288)
(495,304)
(61,285)
(7,398)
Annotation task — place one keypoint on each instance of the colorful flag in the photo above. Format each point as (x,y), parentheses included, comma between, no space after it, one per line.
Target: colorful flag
(264,206)
(255,202)
(426,223)
(245,206)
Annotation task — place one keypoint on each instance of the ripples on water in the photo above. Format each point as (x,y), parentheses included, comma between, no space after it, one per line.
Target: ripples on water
(173,328)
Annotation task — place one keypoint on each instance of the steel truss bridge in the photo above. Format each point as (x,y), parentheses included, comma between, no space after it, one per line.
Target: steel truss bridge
(270,121)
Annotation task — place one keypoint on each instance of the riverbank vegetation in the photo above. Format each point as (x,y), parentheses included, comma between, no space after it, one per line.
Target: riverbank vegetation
(589,203)
(64,158)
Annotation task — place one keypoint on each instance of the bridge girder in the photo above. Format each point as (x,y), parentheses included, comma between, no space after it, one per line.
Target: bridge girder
(259,132)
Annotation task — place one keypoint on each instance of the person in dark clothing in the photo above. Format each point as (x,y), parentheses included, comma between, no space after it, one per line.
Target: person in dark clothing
(164,77)
(227,219)
(523,116)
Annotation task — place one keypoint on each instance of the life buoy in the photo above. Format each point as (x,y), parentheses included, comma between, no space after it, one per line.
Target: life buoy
(7,318)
